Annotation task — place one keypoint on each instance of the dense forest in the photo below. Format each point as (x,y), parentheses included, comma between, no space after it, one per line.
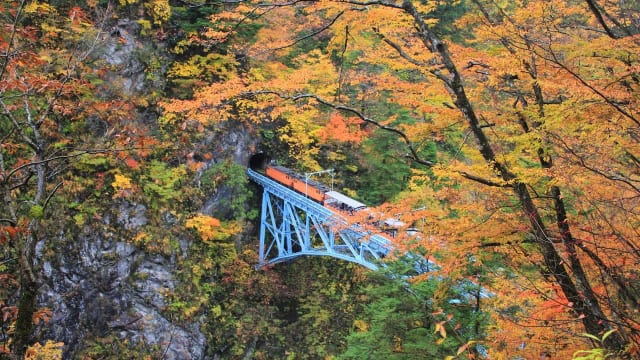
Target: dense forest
(506,134)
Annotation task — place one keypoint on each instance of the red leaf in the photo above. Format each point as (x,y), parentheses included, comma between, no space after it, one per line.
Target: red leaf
(132,163)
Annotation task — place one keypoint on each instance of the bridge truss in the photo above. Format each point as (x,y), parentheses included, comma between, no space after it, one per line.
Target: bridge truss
(292,225)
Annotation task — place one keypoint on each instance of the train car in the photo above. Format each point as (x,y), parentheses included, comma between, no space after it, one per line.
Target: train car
(305,186)
(313,189)
(309,188)
(343,202)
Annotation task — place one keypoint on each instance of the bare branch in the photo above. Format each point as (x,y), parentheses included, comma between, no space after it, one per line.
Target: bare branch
(483,180)
(6,55)
(620,282)
(16,125)
(596,12)
(606,99)
(312,34)
(69,156)
(395,5)
(398,48)
(581,161)
(414,155)
(46,202)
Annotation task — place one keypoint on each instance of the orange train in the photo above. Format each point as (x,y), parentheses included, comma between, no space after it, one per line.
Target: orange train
(312,189)
(297,182)
(320,193)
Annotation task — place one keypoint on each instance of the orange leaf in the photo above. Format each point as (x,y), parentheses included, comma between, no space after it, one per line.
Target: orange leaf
(132,163)
(42,315)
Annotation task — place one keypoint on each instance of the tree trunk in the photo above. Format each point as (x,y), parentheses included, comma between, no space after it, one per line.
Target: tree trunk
(614,341)
(24,322)
(594,321)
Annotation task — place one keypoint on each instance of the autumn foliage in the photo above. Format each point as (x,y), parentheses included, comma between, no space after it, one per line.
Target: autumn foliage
(503,135)
(532,107)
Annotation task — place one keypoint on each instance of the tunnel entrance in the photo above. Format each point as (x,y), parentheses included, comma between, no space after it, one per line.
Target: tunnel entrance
(259,161)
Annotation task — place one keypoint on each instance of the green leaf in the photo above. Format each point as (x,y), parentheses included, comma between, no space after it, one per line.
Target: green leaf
(36,212)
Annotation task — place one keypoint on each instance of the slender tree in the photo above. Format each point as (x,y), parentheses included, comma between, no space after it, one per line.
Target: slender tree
(44,88)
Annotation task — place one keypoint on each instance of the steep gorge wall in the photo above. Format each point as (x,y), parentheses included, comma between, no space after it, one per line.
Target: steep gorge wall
(105,292)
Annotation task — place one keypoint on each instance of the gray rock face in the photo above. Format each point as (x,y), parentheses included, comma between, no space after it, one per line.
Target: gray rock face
(132,217)
(101,285)
(121,47)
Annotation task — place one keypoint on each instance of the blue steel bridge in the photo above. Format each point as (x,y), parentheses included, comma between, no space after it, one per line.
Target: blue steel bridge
(291,225)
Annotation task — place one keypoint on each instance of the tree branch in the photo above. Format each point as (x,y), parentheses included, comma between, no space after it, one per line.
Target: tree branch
(398,48)
(371,3)
(483,180)
(413,152)
(612,103)
(414,155)
(312,34)
(46,202)
(620,282)
(11,39)
(581,161)
(16,125)
(70,156)
(596,12)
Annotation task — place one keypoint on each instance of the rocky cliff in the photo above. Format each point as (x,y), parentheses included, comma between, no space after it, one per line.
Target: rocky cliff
(107,293)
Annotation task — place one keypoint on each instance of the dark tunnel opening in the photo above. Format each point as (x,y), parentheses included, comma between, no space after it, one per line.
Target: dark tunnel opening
(259,161)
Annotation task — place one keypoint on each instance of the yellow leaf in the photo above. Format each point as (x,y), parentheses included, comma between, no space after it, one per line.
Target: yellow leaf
(464,347)
(440,328)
